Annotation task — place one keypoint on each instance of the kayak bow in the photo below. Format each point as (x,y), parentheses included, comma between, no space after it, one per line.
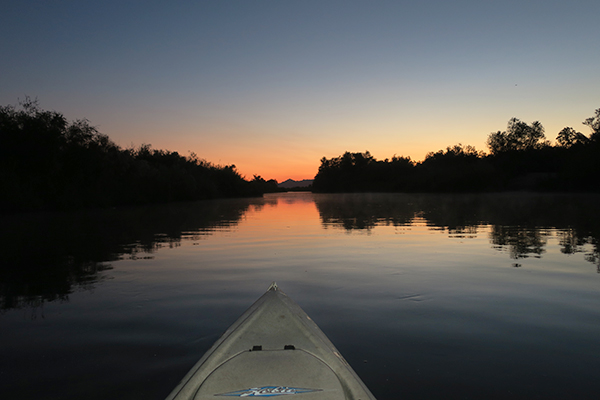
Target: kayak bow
(273,349)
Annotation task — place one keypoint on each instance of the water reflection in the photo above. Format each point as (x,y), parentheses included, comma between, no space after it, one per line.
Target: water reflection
(366,211)
(521,242)
(45,257)
(518,223)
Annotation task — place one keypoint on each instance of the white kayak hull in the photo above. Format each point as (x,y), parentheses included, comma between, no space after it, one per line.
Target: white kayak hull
(273,349)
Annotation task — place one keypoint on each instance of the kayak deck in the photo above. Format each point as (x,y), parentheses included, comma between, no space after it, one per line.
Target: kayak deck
(273,349)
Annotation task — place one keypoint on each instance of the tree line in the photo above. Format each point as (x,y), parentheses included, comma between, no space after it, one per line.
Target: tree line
(49,163)
(519,158)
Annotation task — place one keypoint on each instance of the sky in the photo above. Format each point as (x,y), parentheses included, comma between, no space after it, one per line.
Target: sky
(274,86)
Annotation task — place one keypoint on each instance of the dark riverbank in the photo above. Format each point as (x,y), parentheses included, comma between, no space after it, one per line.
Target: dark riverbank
(519,159)
(49,163)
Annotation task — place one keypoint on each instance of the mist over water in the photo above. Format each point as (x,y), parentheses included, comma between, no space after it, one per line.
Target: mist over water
(427,296)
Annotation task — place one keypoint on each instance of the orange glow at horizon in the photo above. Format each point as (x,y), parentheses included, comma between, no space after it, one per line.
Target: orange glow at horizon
(279,152)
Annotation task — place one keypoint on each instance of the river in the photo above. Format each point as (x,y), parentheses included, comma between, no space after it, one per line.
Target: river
(491,296)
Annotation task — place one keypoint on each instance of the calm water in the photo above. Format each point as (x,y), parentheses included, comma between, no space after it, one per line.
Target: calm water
(427,296)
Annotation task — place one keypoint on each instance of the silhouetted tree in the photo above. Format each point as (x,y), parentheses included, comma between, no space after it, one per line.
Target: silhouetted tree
(47,162)
(568,137)
(454,152)
(518,136)
(457,169)
(260,185)
(42,153)
(594,124)
(361,172)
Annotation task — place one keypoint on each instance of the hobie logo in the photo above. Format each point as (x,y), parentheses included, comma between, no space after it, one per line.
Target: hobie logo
(268,391)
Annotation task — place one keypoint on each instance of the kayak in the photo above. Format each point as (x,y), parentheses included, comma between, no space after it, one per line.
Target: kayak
(273,349)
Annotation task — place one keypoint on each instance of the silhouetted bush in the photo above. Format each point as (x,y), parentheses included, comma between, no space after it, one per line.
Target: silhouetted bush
(520,159)
(47,162)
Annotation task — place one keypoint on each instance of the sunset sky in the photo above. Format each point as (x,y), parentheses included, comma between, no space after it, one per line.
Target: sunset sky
(274,86)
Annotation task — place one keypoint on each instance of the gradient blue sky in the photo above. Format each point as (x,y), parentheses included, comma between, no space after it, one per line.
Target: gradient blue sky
(273,86)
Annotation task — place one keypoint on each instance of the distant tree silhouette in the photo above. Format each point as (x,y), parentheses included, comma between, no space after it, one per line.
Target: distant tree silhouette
(265,186)
(457,169)
(361,172)
(38,151)
(520,158)
(569,137)
(47,162)
(453,154)
(518,136)
(594,124)
(345,173)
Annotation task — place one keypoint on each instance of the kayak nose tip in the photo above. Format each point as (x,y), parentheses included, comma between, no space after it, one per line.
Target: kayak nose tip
(273,286)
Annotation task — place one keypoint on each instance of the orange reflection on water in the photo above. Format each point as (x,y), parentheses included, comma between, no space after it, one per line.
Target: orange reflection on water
(288,210)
